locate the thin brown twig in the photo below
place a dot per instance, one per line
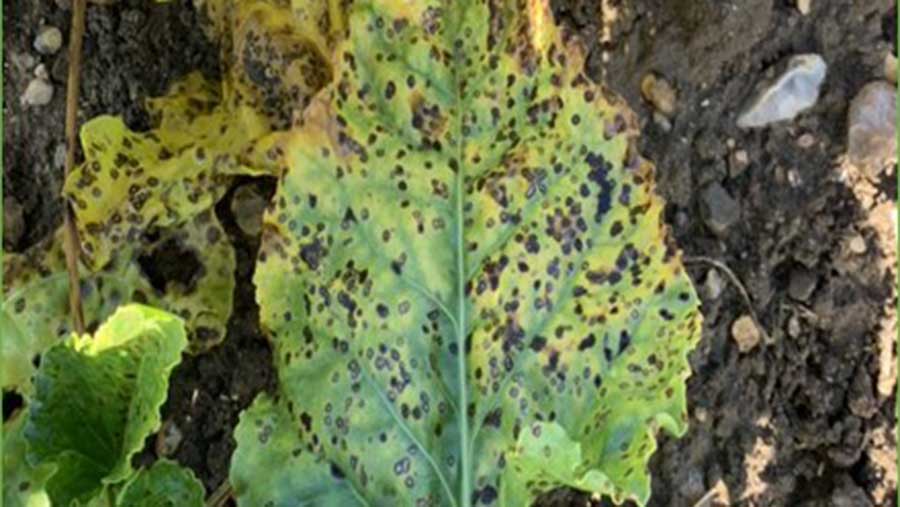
(721, 266)
(72, 245)
(221, 495)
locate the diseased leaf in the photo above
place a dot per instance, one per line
(23, 485)
(131, 182)
(165, 484)
(466, 248)
(35, 311)
(275, 471)
(98, 398)
(204, 300)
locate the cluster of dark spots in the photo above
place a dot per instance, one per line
(587, 342)
(599, 174)
(312, 253)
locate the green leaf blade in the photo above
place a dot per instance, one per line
(165, 484)
(466, 245)
(121, 378)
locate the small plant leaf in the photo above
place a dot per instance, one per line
(98, 398)
(23, 485)
(165, 484)
(466, 248)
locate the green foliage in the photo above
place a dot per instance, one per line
(165, 484)
(98, 398)
(468, 285)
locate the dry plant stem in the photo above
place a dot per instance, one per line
(220, 496)
(71, 244)
(721, 266)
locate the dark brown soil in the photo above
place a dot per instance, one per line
(798, 420)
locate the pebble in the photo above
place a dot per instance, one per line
(248, 206)
(13, 222)
(795, 91)
(168, 439)
(872, 131)
(714, 284)
(41, 72)
(802, 284)
(806, 141)
(48, 41)
(738, 163)
(660, 93)
(721, 211)
(39, 92)
(804, 6)
(794, 329)
(745, 333)
(857, 244)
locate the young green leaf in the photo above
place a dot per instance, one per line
(466, 277)
(98, 398)
(165, 484)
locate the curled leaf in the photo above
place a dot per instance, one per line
(98, 398)
(466, 248)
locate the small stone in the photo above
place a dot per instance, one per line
(39, 92)
(41, 72)
(658, 92)
(850, 496)
(795, 91)
(168, 439)
(794, 329)
(48, 41)
(248, 206)
(890, 67)
(872, 131)
(661, 120)
(59, 156)
(857, 244)
(804, 6)
(714, 284)
(802, 285)
(738, 162)
(721, 211)
(13, 222)
(745, 333)
(806, 141)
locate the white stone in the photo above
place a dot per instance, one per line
(795, 91)
(38, 93)
(48, 41)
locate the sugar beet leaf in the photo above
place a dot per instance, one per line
(471, 293)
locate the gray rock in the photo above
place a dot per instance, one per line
(850, 496)
(248, 206)
(13, 222)
(720, 210)
(48, 41)
(871, 128)
(796, 90)
(39, 92)
(802, 285)
(714, 284)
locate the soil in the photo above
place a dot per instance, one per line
(805, 418)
